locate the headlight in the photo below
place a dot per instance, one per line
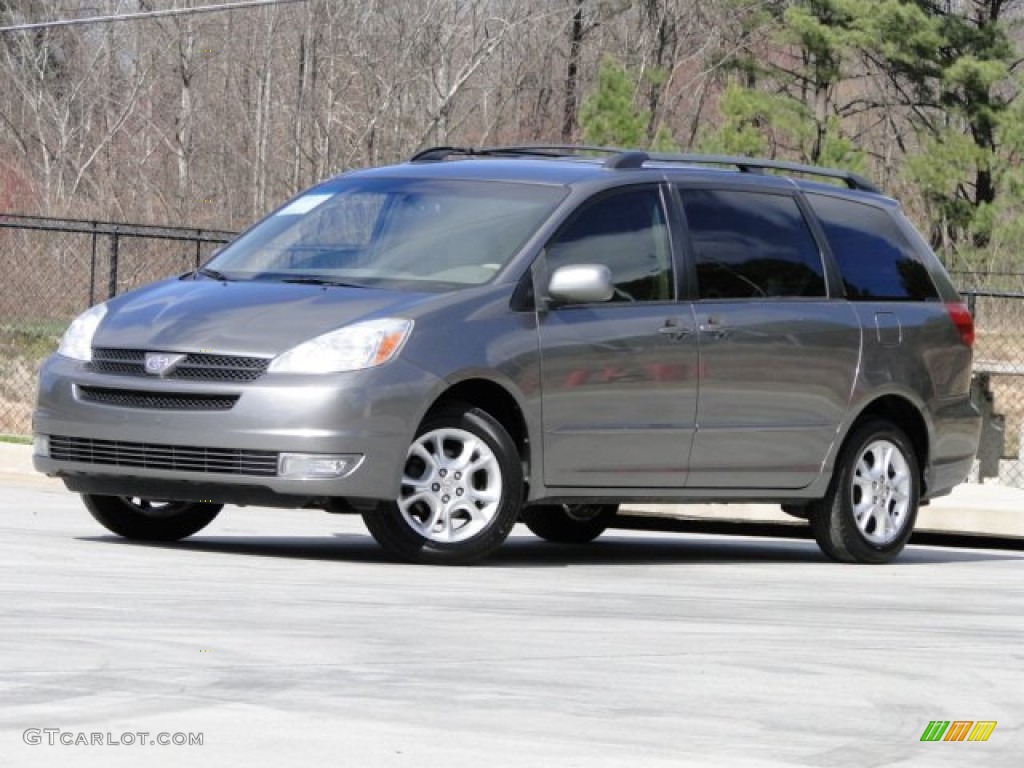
(362, 345)
(76, 342)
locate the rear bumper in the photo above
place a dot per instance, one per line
(370, 414)
(944, 477)
(957, 431)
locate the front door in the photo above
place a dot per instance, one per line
(619, 378)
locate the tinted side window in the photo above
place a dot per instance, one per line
(750, 244)
(875, 259)
(626, 232)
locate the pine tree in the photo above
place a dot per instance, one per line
(953, 70)
(787, 101)
(609, 116)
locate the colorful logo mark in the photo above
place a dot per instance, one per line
(958, 730)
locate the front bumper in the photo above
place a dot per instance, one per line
(371, 414)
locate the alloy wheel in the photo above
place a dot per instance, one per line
(451, 486)
(881, 489)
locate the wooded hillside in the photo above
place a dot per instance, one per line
(211, 119)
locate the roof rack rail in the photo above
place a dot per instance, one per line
(552, 150)
(434, 154)
(633, 159)
(624, 159)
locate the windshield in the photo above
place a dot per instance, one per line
(424, 234)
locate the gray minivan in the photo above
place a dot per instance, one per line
(478, 337)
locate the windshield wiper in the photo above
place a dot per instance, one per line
(207, 272)
(310, 280)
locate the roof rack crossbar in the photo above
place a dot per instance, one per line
(627, 159)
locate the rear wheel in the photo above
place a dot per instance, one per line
(869, 512)
(146, 520)
(569, 523)
(462, 488)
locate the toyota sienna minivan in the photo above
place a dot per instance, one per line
(539, 334)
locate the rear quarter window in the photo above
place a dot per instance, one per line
(875, 260)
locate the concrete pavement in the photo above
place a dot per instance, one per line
(283, 637)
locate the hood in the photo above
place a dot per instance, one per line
(251, 318)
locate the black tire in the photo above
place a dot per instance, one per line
(146, 520)
(569, 523)
(885, 524)
(477, 509)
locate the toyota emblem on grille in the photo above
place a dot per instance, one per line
(161, 363)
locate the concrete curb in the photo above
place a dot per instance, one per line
(972, 509)
(15, 458)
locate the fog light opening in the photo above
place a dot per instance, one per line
(318, 466)
(41, 446)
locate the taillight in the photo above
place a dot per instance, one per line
(963, 321)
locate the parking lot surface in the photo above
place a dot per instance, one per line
(285, 638)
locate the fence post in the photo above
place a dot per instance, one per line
(972, 300)
(112, 287)
(199, 255)
(92, 267)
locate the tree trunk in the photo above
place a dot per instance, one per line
(572, 75)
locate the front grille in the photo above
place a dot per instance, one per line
(174, 401)
(132, 362)
(185, 458)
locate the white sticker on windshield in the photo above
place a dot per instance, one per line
(304, 204)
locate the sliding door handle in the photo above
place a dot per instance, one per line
(674, 330)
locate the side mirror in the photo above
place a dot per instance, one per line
(581, 284)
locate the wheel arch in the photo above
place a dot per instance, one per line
(496, 399)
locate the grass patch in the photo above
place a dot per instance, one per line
(17, 439)
(30, 339)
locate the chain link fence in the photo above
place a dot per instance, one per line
(998, 383)
(52, 269)
(996, 301)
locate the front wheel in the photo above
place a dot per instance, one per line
(462, 487)
(146, 520)
(868, 514)
(569, 523)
